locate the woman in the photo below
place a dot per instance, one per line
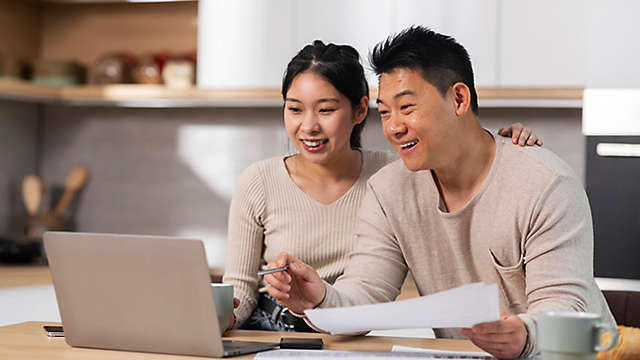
(307, 203)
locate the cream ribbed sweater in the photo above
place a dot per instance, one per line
(270, 214)
(528, 229)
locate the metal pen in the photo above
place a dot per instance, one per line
(274, 270)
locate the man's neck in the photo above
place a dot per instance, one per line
(459, 179)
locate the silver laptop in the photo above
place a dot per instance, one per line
(137, 293)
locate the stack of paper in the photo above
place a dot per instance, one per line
(463, 306)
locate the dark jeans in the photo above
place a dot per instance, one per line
(260, 320)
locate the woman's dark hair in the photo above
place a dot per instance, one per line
(441, 60)
(340, 65)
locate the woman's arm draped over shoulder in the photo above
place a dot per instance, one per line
(245, 240)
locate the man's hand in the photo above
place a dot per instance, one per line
(298, 288)
(504, 339)
(520, 135)
(236, 303)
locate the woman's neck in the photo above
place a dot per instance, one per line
(346, 165)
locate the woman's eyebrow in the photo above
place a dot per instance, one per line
(328, 100)
(292, 100)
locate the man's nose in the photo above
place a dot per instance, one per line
(396, 127)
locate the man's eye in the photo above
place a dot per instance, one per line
(405, 106)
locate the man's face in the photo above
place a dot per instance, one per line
(416, 119)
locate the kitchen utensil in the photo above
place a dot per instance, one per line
(76, 178)
(32, 193)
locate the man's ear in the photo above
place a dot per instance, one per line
(360, 112)
(461, 97)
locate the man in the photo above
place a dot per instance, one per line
(462, 208)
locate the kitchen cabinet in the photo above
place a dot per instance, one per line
(543, 43)
(473, 23)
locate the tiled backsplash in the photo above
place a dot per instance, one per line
(172, 171)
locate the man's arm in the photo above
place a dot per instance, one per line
(375, 271)
(558, 253)
(376, 268)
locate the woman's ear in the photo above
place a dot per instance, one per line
(461, 97)
(361, 110)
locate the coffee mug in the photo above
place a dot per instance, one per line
(223, 297)
(566, 335)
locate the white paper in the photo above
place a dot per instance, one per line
(444, 353)
(358, 355)
(463, 306)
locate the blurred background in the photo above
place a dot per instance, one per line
(138, 116)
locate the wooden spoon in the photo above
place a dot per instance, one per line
(32, 193)
(76, 178)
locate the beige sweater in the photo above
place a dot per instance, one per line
(528, 229)
(270, 214)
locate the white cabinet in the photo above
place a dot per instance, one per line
(543, 43)
(244, 43)
(473, 23)
(613, 47)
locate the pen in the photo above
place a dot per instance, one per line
(274, 270)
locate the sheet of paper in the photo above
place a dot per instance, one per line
(359, 355)
(463, 306)
(443, 353)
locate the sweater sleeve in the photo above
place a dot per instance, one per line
(376, 268)
(245, 241)
(558, 254)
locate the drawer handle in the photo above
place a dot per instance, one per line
(613, 149)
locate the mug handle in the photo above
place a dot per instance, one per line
(604, 328)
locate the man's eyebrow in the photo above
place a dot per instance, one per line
(400, 94)
(403, 93)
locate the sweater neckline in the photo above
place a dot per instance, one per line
(285, 172)
(478, 195)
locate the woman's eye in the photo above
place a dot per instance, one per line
(294, 109)
(327, 110)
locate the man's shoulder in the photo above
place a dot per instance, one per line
(533, 162)
(393, 176)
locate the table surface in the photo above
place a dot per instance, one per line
(28, 341)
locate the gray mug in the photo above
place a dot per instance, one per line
(223, 298)
(569, 335)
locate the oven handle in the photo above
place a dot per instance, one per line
(617, 149)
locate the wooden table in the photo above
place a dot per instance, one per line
(28, 341)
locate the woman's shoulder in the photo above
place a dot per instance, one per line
(257, 172)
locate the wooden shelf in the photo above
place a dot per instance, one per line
(131, 95)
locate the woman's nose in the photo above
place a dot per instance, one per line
(310, 125)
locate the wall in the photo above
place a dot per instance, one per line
(84, 32)
(19, 28)
(18, 157)
(172, 171)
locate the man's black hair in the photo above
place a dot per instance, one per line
(439, 58)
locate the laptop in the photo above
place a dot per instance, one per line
(137, 293)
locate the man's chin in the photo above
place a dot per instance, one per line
(413, 165)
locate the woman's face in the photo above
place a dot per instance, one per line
(318, 118)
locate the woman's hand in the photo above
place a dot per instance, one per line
(520, 135)
(232, 322)
(299, 288)
(504, 339)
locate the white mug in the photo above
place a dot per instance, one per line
(569, 335)
(223, 298)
